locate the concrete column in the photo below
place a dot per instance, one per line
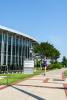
(24, 49)
(21, 51)
(7, 51)
(18, 51)
(2, 50)
(11, 49)
(27, 49)
(15, 49)
(30, 52)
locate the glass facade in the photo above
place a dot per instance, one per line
(14, 49)
(0, 46)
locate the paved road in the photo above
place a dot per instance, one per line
(40, 87)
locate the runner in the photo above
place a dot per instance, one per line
(45, 65)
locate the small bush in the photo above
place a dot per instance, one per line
(65, 73)
(37, 64)
(55, 65)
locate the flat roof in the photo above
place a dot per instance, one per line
(17, 32)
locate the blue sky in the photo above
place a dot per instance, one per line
(46, 20)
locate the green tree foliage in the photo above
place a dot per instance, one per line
(64, 61)
(48, 50)
(36, 48)
(55, 54)
(37, 64)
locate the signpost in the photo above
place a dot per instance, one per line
(28, 66)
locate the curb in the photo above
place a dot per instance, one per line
(3, 87)
(65, 85)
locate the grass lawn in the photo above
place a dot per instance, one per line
(65, 73)
(12, 78)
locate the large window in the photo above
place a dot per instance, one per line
(17, 50)
(0, 37)
(14, 51)
(28, 49)
(9, 45)
(0, 42)
(14, 46)
(23, 48)
(20, 47)
(4, 48)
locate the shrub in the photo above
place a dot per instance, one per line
(37, 64)
(55, 65)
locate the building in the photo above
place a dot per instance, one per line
(14, 47)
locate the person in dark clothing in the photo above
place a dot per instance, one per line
(45, 65)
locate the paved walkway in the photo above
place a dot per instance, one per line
(40, 87)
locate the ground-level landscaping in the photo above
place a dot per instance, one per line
(65, 73)
(8, 79)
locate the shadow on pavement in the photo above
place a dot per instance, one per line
(30, 94)
(43, 86)
(53, 82)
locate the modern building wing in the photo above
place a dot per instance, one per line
(14, 47)
(17, 32)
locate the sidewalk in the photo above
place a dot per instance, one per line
(40, 87)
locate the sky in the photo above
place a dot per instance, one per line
(46, 20)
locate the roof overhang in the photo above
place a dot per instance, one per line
(17, 32)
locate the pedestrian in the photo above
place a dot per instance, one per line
(45, 65)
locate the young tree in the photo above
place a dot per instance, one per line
(64, 61)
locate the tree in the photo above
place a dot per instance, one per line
(64, 61)
(55, 54)
(48, 50)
